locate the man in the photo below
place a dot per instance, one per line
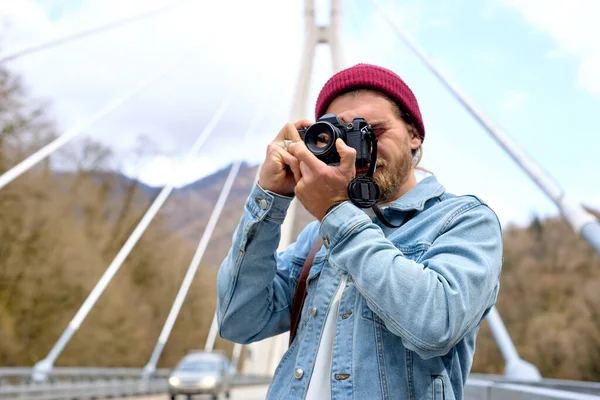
(390, 313)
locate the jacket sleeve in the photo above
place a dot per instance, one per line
(253, 283)
(432, 304)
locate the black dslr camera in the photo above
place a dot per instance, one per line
(321, 136)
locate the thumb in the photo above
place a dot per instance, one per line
(347, 156)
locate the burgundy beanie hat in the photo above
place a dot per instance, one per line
(367, 76)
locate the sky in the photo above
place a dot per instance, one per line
(530, 65)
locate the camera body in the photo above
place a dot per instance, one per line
(321, 136)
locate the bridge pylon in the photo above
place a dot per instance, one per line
(264, 356)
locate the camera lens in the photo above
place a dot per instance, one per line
(322, 140)
(320, 137)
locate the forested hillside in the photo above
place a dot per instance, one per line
(550, 302)
(60, 231)
(58, 234)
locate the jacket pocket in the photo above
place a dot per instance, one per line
(438, 390)
(413, 253)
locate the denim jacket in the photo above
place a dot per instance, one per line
(411, 308)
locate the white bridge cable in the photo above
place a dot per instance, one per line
(516, 367)
(195, 263)
(235, 355)
(572, 211)
(42, 368)
(65, 138)
(12, 55)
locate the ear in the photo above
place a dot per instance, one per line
(415, 138)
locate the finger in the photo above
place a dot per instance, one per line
(301, 152)
(273, 150)
(284, 144)
(286, 133)
(299, 190)
(305, 170)
(347, 156)
(293, 163)
(303, 123)
(290, 131)
(276, 153)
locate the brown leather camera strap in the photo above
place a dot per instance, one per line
(300, 293)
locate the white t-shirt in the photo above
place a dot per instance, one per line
(319, 387)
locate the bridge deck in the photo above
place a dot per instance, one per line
(245, 393)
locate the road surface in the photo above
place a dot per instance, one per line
(247, 393)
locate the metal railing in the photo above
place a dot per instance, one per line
(98, 383)
(80, 383)
(87, 390)
(493, 387)
(585, 387)
(94, 383)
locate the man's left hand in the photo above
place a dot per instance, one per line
(321, 186)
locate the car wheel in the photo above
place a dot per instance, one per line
(173, 396)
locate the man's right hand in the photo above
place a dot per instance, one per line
(280, 170)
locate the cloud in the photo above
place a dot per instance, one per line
(22, 21)
(246, 53)
(574, 26)
(488, 58)
(229, 46)
(161, 169)
(514, 100)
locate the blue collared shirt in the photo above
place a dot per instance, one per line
(411, 308)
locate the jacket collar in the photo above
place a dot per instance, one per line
(415, 198)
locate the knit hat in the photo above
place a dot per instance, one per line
(366, 76)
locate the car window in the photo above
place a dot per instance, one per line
(197, 366)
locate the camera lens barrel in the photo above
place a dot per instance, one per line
(321, 136)
(320, 139)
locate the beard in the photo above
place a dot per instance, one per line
(393, 174)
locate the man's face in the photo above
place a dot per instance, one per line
(395, 143)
